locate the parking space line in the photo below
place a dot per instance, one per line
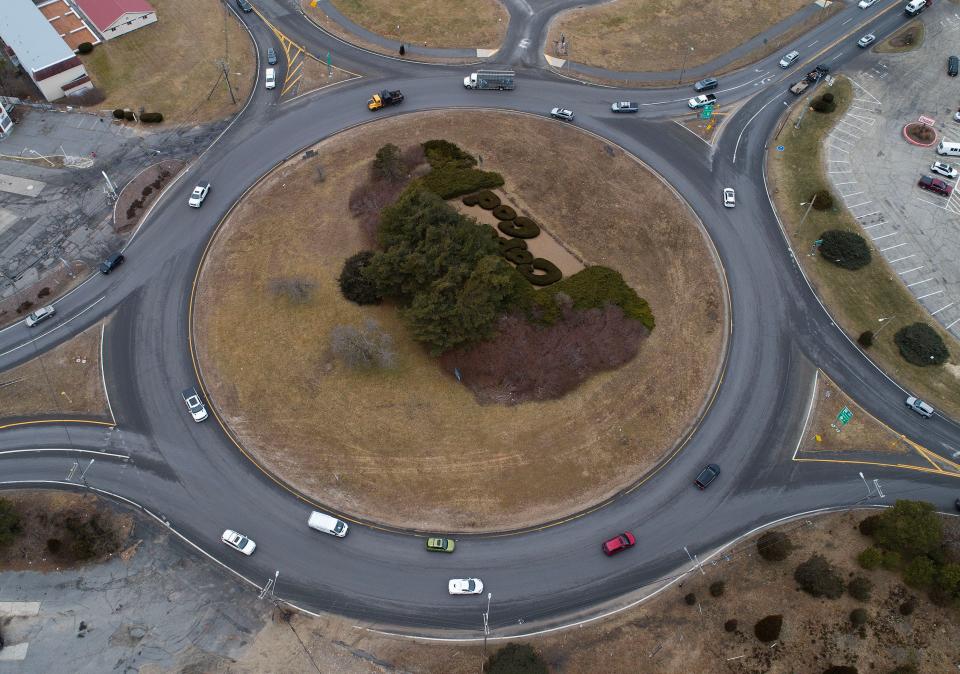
(932, 203)
(838, 149)
(884, 250)
(847, 196)
(901, 273)
(905, 257)
(953, 324)
(849, 182)
(867, 215)
(839, 171)
(862, 203)
(852, 135)
(879, 224)
(930, 294)
(884, 236)
(838, 161)
(934, 313)
(916, 283)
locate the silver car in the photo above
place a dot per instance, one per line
(562, 113)
(39, 315)
(788, 59)
(920, 407)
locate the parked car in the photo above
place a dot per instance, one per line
(707, 475)
(562, 113)
(956, 504)
(270, 78)
(943, 169)
(194, 405)
(465, 586)
(935, 185)
(244, 5)
(238, 542)
(111, 263)
(199, 194)
(625, 106)
(920, 407)
(441, 544)
(618, 543)
(956, 116)
(271, 56)
(789, 58)
(953, 66)
(729, 197)
(39, 316)
(866, 40)
(865, 3)
(706, 84)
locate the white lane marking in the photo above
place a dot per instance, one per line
(916, 283)
(884, 236)
(942, 308)
(910, 271)
(812, 43)
(806, 419)
(693, 132)
(740, 137)
(867, 215)
(103, 377)
(847, 21)
(953, 324)
(63, 449)
(840, 161)
(849, 182)
(838, 149)
(930, 294)
(862, 203)
(879, 224)
(882, 250)
(905, 257)
(65, 323)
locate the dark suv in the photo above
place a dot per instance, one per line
(111, 263)
(953, 66)
(707, 475)
(706, 84)
(934, 185)
(244, 5)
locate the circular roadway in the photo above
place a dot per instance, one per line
(192, 476)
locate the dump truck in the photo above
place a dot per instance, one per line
(799, 87)
(385, 98)
(498, 80)
(702, 100)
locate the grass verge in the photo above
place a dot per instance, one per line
(856, 299)
(906, 39)
(173, 66)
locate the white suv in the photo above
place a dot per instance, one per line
(920, 407)
(39, 315)
(788, 60)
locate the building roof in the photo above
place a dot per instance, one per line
(28, 33)
(104, 12)
(67, 23)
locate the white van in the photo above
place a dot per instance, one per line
(914, 7)
(327, 524)
(271, 79)
(950, 149)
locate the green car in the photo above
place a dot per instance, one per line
(440, 545)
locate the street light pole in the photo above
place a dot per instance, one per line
(869, 491)
(683, 65)
(486, 632)
(881, 320)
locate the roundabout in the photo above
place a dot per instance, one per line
(193, 479)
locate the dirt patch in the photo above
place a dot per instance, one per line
(64, 381)
(47, 516)
(906, 39)
(313, 75)
(856, 299)
(643, 35)
(138, 194)
(59, 282)
(364, 442)
(174, 65)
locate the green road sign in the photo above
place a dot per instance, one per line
(845, 416)
(706, 112)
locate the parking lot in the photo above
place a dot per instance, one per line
(875, 170)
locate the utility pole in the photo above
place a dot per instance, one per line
(802, 113)
(226, 76)
(865, 484)
(812, 201)
(683, 65)
(486, 632)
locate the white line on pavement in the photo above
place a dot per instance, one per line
(930, 294)
(905, 257)
(862, 203)
(916, 283)
(884, 236)
(883, 250)
(739, 137)
(66, 322)
(953, 324)
(942, 308)
(901, 273)
(842, 172)
(839, 161)
(876, 225)
(838, 149)
(845, 196)
(849, 182)
(867, 215)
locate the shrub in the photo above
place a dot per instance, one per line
(594, 288)
(891, 560)
(24, 306)
(919, 572)
(858, 617)
(44, 291)
(905, 669)
(516, 659)
(730, 625)
(387, 165)
(921, 345)
(118, 113)
(449, 181)
(774, 546)
(441, 152)
(768, 629)
(860, 588)
(845, 249)
(948, 581)
(504, 212)
(128, 115)
(148, 190)
(910, 528)
(717, 588)
(90, 538)
(824, 106)
(487, 200)
(828, 97)
(818, 578)
(403, 50)
(294, 289)
(84, 48)
(9, 522)
(131, 213)
(908, 607)
(870, 558)
(868, 525)
(363, 349)
(151, 118)
(865, 339)
(353, 284)
(821, 200)
(54, 546)
(520, 228)
(690, 599)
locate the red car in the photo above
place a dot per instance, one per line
(935, 185)
(618, 543)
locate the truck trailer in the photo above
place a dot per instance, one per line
(498, 80)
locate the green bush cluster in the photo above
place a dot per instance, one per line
(818, 578)
(774, 546)
(921, 345)
(845, 249)
(594, 288)
(84, 48)
(151, 118)
(354, 285)
(90, 538)
(388, 163)
(9, 522)
(870, 558)
(768, 629)
(441, 152)
(860, 588)
(821, 200)
(452, 171)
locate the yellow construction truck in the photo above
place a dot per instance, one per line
(384, 98)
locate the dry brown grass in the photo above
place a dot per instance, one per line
(172, 66)
(436, 23)
(311, 76)
(365, 442)
(650, 36)
(64, 381)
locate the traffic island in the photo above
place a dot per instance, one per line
(410, 445)
(920, 134)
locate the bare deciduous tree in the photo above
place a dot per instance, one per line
(294, 289)
(363, 348)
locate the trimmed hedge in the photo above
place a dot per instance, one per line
(449, 181)
(151, 118)
(118, 113)
(768, 629)
(818, 578)
(521, 227)
(920, 345)
(504, 212)
(440, 152)
(845, 249)
(84, 48)
(487, 200)
(594, 288)
(353, 284)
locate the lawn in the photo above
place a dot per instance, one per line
(653, 35)
(365, 443)
(173, 66)
(856, 299)
(436, 23)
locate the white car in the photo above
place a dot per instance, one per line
(625, 106)
(866, 40)
(562, 113)
(199, 194)
(270, 80)
(865, 3)
(194, 405)
(238, 542)
(729, 197)
(465, 586)
(917, 405)
(945, 170)
(39, 315)
(956, 116)
(788, 59)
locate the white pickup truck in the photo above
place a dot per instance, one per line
(702, 100)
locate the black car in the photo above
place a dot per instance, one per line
(244, 5)
(706, 84)
(111, 263)
(953, 66)
(271, 56)
(707, 475)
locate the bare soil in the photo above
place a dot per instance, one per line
(62, 382)
(42, 515)
(667, 636)
(906, 39)
(133, 191)
(364, 442)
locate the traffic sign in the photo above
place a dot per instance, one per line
(780, 148)
(845, 416)
(707, 112)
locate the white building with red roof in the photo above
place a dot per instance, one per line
(112, 18)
